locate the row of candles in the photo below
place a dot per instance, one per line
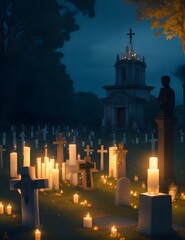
(47, 169)
(8, 209)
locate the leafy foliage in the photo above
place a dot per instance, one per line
(34, 83)
(89, 109)
(166, 16)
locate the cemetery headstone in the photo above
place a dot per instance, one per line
(122, 192)
(86, 169)
(29, 185)
(102, 151)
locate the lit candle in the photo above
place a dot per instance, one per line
(9, 209)
(72, 154)
(87, 221)
(37, 234)
(75, 198)
(153, 162)
(52, 162)
(112, 162)
(63, 171)
(153, 176)
(13, 165)
(78, 156)
(55, 178)
(38, 164)
(43, 170)
(50, 182)
(1, 208)
(26, 162)
(113, 231)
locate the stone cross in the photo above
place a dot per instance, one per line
(130, 34)
(121, 156)
(29, 185)
(60, 150)
(1, 155)
(102, 151)
(88, 150)
(153, 140)
(86, 169)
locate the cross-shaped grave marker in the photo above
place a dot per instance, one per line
(121, 163)
(153, 140)
(29, 185)
(60, 150)
(88, 150)
(102, 151)
(1, 155)
(86, 169)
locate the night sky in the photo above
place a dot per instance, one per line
(91, 52)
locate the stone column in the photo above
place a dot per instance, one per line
(165, 150)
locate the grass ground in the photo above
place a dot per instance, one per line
(61, 219)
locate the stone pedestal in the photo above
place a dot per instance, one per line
(165, 151)
(155, 214)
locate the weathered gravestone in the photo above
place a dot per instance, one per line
(86, 169)
(122, 193)
(29, 186)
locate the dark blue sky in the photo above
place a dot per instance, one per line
(90, 54)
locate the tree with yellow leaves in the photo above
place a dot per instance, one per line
(167, 16)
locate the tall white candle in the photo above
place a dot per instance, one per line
(43, 170)
(9, 209)
(72, 154)
(74, 179)
(113, 231)
(52, 161)
(153, 162)
(50, 182)
(55, 178)
(26, 161)
(75, 198)
(112, 162)
(38, 164)
(153, 176)
(63, 171)
(37, 234)
(87, 221)
(1, 208)
(13, 165)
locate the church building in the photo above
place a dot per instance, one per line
(125, 100)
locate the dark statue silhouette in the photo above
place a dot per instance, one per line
(166, 98)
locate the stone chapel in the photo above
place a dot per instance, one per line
(125, 100)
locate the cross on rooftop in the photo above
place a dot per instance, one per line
(130, 34)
